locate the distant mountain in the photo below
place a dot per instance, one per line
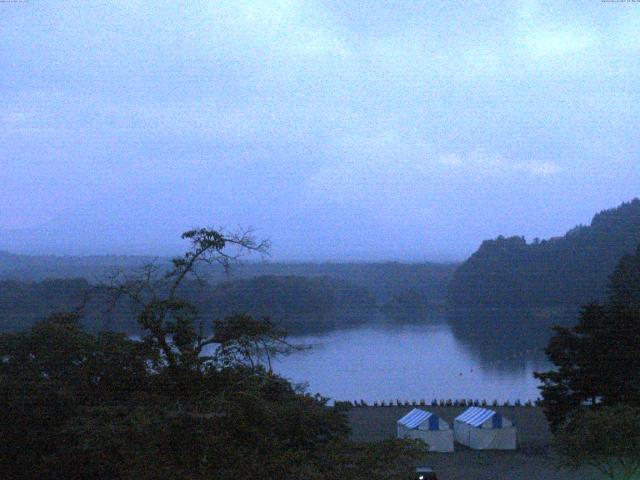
(39, 267)
(573, 269)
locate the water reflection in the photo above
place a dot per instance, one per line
(471, 357)
(506, 338)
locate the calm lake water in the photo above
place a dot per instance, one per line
(410, 362)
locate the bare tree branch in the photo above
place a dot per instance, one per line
(154, 298)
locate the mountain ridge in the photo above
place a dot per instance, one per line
(572, 269)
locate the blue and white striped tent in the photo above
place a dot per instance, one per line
(417, 418)
(484, 429)
(476, 417)
(428, 427)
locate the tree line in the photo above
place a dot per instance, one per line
(82, 405)
(383, 280)
(297, 303)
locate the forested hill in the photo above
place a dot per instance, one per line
(299, 304)
(384, 280)
(294, 303)
(573, 269)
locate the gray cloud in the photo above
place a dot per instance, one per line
(404, 131)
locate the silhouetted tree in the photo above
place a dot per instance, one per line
(242, 340)
(607, 439)
(171, 324)
(597, 361)
(78, 405)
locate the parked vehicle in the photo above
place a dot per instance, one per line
(425, 473)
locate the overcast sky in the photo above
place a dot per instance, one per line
(340, 130)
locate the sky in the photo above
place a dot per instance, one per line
(340, 130)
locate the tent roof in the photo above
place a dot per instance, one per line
(475, 416)
(415, 418)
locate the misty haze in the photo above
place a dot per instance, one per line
(315, 239)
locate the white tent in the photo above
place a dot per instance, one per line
(429, 428)
(484, 429)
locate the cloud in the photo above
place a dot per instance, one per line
(251, 107)
(553, 43)
(495, 165)
(539, 168)
(548, 33)
(369, 166)
(289, 28)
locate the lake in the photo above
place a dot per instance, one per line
(384, 361)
